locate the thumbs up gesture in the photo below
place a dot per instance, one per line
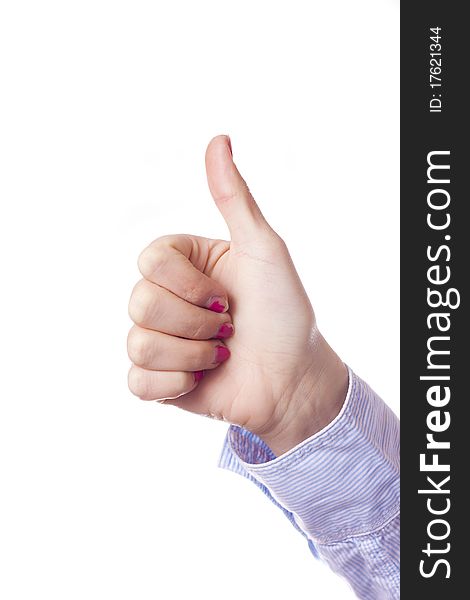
(225, 328)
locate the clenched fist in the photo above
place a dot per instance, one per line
(225, 328)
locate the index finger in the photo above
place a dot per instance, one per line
(177, 262)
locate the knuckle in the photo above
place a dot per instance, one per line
(228, 197)
(198, 330)
(193, 294)
(154, 258)
(184, 382)
(140, 304)
(197, 355)
(280, 240)
(277, 239)
(138, 384)
(137, 347)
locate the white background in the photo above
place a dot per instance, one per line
(106, 109)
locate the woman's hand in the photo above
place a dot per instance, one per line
(226, 329)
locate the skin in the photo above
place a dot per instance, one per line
(226, 329)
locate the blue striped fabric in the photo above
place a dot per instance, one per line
(340, 488)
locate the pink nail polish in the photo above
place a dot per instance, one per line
(221, 353)
(198, 375)
(225, 331)
(217, 304)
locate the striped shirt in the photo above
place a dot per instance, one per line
(339, 488)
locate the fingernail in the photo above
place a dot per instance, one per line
(218, 304)
(198, 375)
(229, 142)
(225, 331)
(221, 353)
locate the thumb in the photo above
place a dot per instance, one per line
(230, 192)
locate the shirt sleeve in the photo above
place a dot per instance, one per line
(340, 488)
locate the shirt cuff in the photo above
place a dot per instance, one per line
(339, 483)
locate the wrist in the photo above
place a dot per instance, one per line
(312, 401)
